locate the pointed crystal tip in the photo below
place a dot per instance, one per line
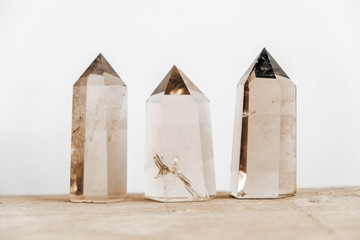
(266, 66)
(99, 73)
(99, 66)
(176, 83)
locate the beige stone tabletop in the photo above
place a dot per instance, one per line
(332, 213)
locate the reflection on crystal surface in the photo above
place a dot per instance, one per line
(179, 154)
(99, 135)
(264, 146)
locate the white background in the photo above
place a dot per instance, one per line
(46, 45)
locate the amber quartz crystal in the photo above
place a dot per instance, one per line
(264, 144)
(179, 162)
(99, 135)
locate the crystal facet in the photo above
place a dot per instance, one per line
(179, 154)
(264, 145)
(99, 135)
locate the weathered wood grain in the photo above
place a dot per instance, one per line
(332, 213)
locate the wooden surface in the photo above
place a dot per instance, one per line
(332, 213)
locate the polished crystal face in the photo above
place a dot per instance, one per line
(264, 145)
(99, 135)
(179, 154)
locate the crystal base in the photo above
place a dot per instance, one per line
(242, 196)
(97, 199)
(179, 199)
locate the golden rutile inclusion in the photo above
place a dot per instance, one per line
(179, 155)
(264, 145)
(99, 135)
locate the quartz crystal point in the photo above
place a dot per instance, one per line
(179, 153)
(99, 135)
(264, 145)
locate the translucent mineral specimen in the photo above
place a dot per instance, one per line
(179, 154)
(99, 135)
(264, 146)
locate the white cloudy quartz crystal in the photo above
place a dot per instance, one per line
(179, 162)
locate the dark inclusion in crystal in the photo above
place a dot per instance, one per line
(266, 67)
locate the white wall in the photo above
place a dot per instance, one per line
(46, 45)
